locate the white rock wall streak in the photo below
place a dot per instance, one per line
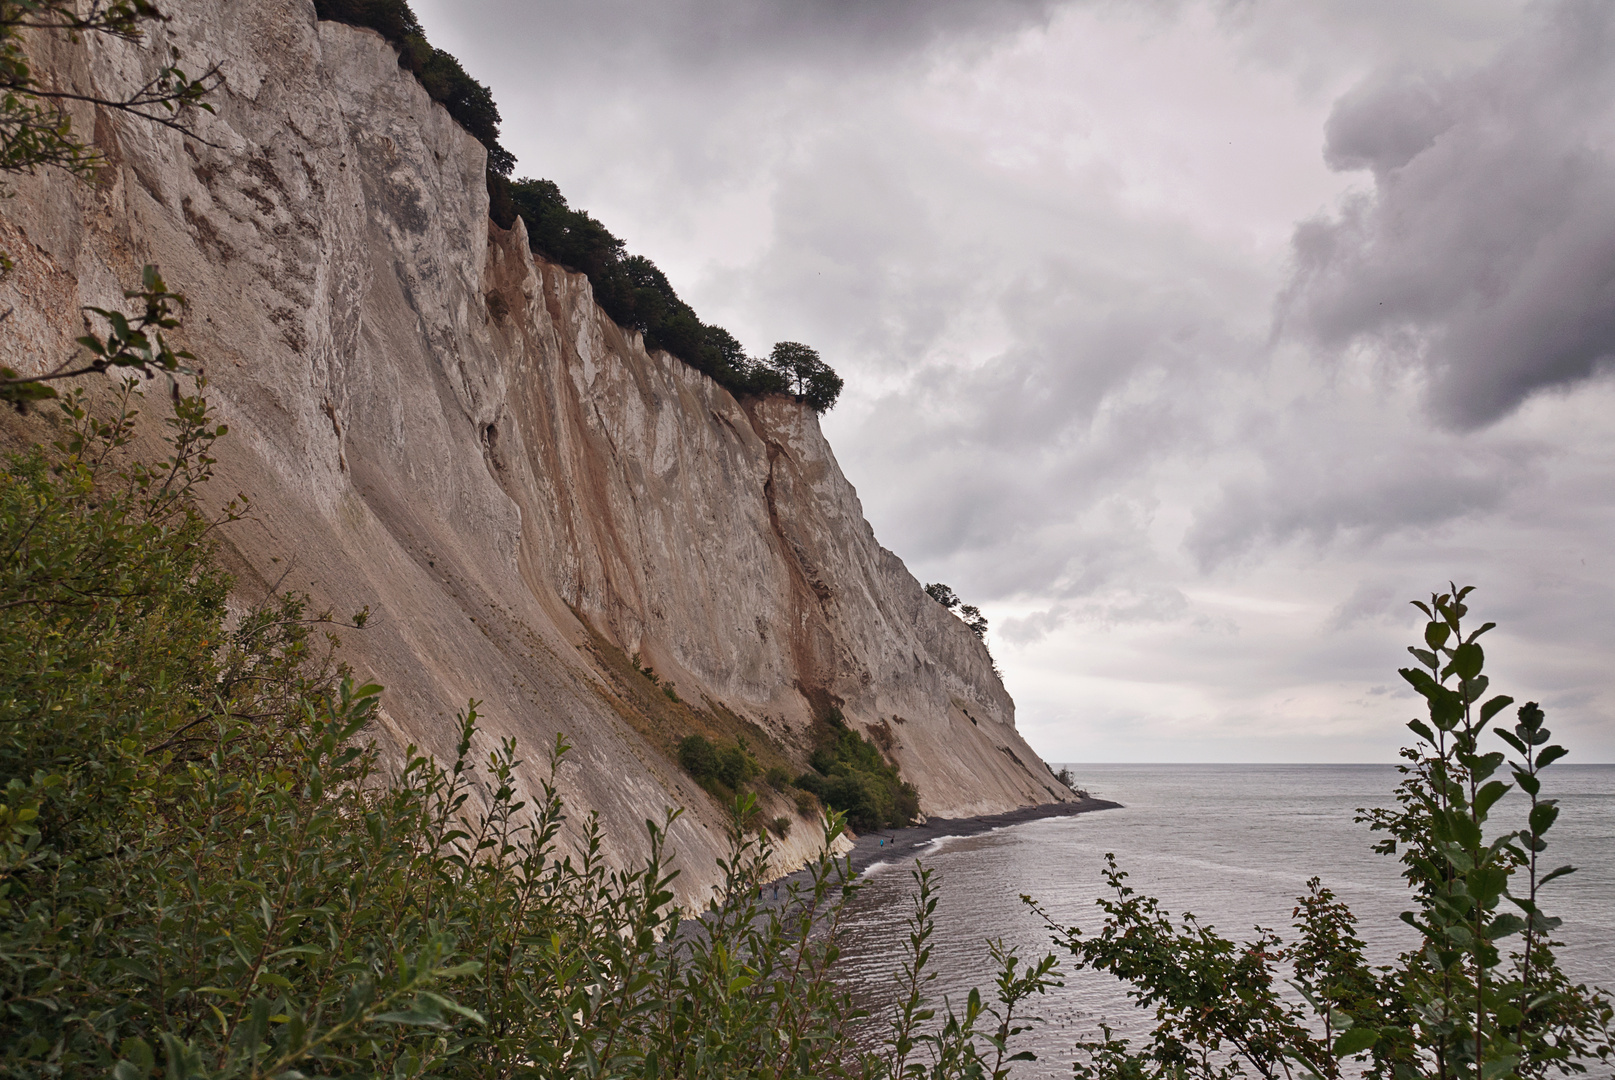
(431, 422)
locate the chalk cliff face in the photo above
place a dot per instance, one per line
(432, 423)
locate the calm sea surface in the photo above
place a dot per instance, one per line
(1235, 844)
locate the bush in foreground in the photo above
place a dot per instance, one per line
(1481, 997)
(202, 874)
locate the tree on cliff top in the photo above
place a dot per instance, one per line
(629, 288)
(807, 376)
(969, 614)
(638, 296)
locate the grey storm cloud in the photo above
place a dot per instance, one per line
(1485, 254)
(687, 33)
(1325, 498)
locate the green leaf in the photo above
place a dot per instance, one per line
(450, 1005)
(1509, 737)
(138, 1052)
(1467, 660)
(1560, 872)
(1419, 680)
(1465, 831)
(1487, 796)
(1549, 755)
(1423, 656)
(1495, 706)
(458, 971)
(1501, 1067)
(1446, 708)
(1355, 1041)
(415, 1016)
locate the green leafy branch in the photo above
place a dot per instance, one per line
(134, 343)
(1459, 1006)
(35, 129)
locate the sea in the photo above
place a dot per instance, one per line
(1234, 844)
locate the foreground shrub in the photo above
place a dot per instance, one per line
(203, 874)
(1481, 997)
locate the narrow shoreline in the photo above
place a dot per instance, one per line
(901, 845)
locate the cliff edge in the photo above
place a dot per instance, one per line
(431, 422)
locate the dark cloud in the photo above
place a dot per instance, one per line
(1373, 602)
(687, 33)
(1485, 255)
(1326, 490)
(1387, 121)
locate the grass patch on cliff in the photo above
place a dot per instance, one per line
(737, 752)
(850, 774)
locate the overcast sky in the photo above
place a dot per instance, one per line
(1190, 340)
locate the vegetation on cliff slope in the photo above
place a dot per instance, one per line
(629, 288)
(732, 766)
(203, 874)
(851, 775)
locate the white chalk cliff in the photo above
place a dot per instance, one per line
(433, 423)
